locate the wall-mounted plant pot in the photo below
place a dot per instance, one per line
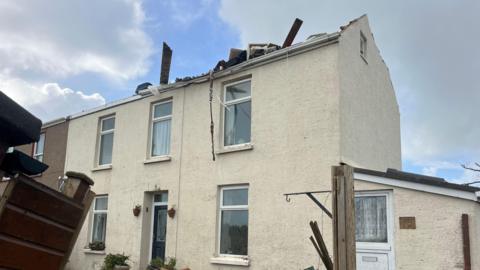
(171, 212)
(137, 210)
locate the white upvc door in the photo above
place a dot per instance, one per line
(374, 230)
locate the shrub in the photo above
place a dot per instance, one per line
(156, 263)
(170, 264)
(114, 259)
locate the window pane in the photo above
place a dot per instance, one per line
(371, 219)
(161, 197)
(108, 124)
(99, 227)
(101, 203)
(40, 144)
(106, 146)
(235, 196)
(161, 138)
(237, 123)
(237, 91)
(234, 232)
(163, 109)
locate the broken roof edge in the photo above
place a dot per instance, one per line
(251, 63)
(417, 179)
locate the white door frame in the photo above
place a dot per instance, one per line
(382, 248)
(152, 217)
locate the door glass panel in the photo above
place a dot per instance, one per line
(161, 225)
(161, 197)
(371, 219)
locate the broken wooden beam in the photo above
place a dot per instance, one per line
(166, 61)
(467, 264)
(343, 205)
(320, 247)
(293, 33)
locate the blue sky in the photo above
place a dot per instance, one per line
(67, 56)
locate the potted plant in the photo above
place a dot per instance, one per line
(137, 209)
(159, 264)
(96, 245)
(115, 262)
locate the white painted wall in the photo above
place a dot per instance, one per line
(296, 136)
(369, 114)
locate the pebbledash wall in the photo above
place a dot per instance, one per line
(299, 128)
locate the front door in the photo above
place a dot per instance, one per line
(373, 230)
(159, 231)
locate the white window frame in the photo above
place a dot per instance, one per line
(35, 148)
(100, 133)
(363, 45)
(221, 208)
(233, 102)
(156, 120)
(93, 218)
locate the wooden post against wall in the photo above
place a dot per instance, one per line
(343, 200)
(466, 243)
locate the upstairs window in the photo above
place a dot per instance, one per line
(233, 221)
(237, 114)
(363, 45)
(38, 148)
(107, 128)
(99, 225)
(161, 128)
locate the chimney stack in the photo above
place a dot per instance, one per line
(166, 61)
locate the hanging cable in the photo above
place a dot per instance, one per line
(210, 77)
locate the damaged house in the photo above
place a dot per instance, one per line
(282, 116)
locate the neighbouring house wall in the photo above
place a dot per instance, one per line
(53, 153)
(369, 114)
(436, 243)
(295, 133)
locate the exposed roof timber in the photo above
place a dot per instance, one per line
(293, 33)
(299, 48)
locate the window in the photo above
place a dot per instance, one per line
(38, 148)
(161, 128)
(371, 218)
(107, 127)
(99, 225)
(237, 114)
(363, 45)
(233, 219)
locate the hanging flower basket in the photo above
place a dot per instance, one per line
(171, 212)
(136, 210)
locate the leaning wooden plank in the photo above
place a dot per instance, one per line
(30, 227)
(46, 202)
(467, 264)
(323, 248)
(17, 254)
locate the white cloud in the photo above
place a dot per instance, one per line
(46, 42)
(431, 48)
(48, 101)
(60, 38)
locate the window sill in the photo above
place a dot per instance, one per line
(102, 168)
(157, 159)
(240, 261)
(235, 148)
(96, 252)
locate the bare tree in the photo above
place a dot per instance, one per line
(475, 168)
